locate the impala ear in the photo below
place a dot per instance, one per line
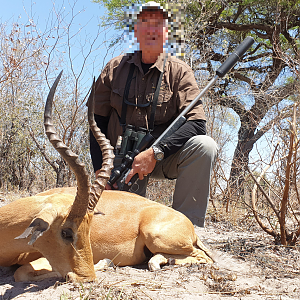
(40, 224)
(36, 229)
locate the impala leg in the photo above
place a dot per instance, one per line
(40, 269)
(198, 257)
(156, 261)
(103, 264)
(36, 270)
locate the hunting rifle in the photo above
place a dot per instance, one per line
(120, 173)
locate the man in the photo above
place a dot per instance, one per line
(188, 154)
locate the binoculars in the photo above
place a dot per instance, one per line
(131, 139)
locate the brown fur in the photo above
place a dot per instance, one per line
(128, 224)
(65, 257)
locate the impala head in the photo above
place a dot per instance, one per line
(61, 230)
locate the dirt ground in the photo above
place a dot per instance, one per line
(249, 266)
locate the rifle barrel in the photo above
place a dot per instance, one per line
(186, 109)
(225, 67)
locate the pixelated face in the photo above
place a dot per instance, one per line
(151, 31)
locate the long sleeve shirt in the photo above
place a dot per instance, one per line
(177, 90)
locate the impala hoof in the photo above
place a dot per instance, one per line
(103, 264)
(72, 277)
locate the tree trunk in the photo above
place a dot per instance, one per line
(235, 188)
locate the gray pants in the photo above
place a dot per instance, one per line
(191, 166)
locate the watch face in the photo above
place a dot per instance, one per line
(159, 155)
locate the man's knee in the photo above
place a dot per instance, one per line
(202, 145)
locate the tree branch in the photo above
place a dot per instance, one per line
(42, 150)
(258, 219)
(231, 102)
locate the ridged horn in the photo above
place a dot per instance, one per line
(107, 154)
(80, 205)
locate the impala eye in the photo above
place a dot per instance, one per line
(67, 234)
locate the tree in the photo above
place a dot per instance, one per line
(255, 88)
(21, 64)
(277, 212)
(71, 97)
(252, 89)
(30, 59)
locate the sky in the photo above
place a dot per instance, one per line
(84, 20)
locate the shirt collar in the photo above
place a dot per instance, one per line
(160, 61)
(137, 56)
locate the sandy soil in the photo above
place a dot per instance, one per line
(249, 266)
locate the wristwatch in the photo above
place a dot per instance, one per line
(158, 153)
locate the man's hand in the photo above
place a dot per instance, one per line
(143, 165)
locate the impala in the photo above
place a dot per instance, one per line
(67, 232)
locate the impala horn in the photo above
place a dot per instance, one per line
(107, 155)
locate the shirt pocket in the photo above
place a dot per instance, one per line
(166, 106)
(118, 93)
(116, 98)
